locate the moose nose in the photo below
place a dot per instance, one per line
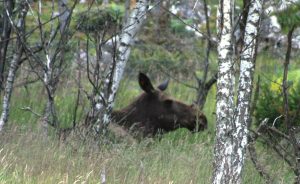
(200, 124)
(197, 127)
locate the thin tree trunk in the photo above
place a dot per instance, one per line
(225, 95)
(127, 11)
(287, 119)
(40, 7)
(48, 74)
(8, 6)
(204, 87)
(209, 44)
(9, 86)
(232, 129)
(53, 65)
(105, 87)
(129, 31)
(14, 65)
(242, 113)
(65, 13)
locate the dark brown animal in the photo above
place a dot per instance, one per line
(153, 111)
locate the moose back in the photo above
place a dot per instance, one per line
(154, 112)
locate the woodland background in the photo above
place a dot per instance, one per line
(176, 41)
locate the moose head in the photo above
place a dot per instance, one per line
(153, 111)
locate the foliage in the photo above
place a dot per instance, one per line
(178, 157)
(117, 9)
(289, 17)
(151, 57)
(270, 102)
(181, 57)
(98, 20)
(178, 27)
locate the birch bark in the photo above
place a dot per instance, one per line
(128, 33)
(8, 6)
(225, 95)
(130, 30)
(65, 13)
(232, 121)
(54, 64)
(242, 114)
(14, 64)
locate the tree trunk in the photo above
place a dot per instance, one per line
(204, 87)
(231, 135)
(9, 85)
(287, 119)
(54, 66)
(14, 65)
(8, 6)
(129, 31)
(247, 66)
(65, 13)
(127, 11)
(225, 95)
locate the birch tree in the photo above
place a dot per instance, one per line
(19, 28)
(54, 60)
(8, 7)
(204, 85)
(125, 41)
(232, 120)
(129, 31)
(225, 95)
(242, 116)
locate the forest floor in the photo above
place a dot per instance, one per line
(26, 156)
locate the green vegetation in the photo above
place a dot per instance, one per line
(94, 20)
(179, 157)
(289, 17)
(270, 102)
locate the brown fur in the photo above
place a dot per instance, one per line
(153, 111)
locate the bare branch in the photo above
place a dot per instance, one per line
(30, 110)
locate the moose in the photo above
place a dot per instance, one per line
(153, 112)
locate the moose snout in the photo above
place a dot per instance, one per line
(200, 124)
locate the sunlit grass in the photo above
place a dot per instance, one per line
(178, 157)
(26, 156)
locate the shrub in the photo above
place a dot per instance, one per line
(179, 27)
(99, 19)
(270, 102)
(289, 17)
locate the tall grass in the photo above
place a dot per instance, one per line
(177, 157)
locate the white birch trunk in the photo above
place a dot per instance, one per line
(129, 31)
(8, 6)
(242, 116)
(232, 122)
(225, 95)
(65, 13)
(14, 64)
(50, 75)
(9, 87)
(40, 7)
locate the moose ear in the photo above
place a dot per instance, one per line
(163, 86)
(145, 83)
